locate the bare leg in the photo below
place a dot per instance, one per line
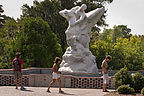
(16, 83)
(105, 82)
(53, 81)
(104, 87)
(21, 82)
(60, 91)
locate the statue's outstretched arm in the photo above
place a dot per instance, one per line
(95, 12)
(95, 15)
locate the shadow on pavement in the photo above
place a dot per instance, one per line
(66, 93)
(27, 90)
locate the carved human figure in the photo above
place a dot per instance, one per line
(79, 13)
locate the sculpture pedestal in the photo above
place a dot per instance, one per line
(78, 61)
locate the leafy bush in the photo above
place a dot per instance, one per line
(124, 89)
(137, 81)
(37, 43)
(122, 78)
(142, 91)
(143, 65)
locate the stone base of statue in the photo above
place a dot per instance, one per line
(77, 61)
(78, 58)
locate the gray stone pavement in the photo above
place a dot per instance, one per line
(41, 91)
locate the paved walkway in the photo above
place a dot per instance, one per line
(41, 91)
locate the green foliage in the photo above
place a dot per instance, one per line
(48, 10)
(121, 31)
(143, 65)
(124, 89)
(7, 36)
(138, 81)
(33, 38)
(37, 43)
(101, 48)
(116, 32)
(1, 16)
(126, 49)
(131, 52)
(142, 91)
(122, 78)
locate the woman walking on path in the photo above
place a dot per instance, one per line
(56, 75)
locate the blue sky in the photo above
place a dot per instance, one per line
(126, 12)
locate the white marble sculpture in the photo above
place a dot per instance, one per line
(78, 58)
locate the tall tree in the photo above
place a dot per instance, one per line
(49, 11)
(7, 31)
(1, 16)
(7, 36)
(117, 32)
(121, 31)
(36, 42)
(126, 49)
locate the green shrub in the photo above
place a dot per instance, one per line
(142, 91)
(143, 65)
(37, 43)
(125, 89)
(137, 81)
(122, 78)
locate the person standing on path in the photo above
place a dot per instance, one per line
(56, 75)
(17, 66)
(105, 72)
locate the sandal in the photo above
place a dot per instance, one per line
(61, 91)
(22, 88)
(106, 91)
(48, 91)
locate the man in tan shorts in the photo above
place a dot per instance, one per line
(105, 72)
(17, 67)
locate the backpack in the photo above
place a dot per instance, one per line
(16, 64)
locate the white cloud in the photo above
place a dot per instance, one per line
(127, 12)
